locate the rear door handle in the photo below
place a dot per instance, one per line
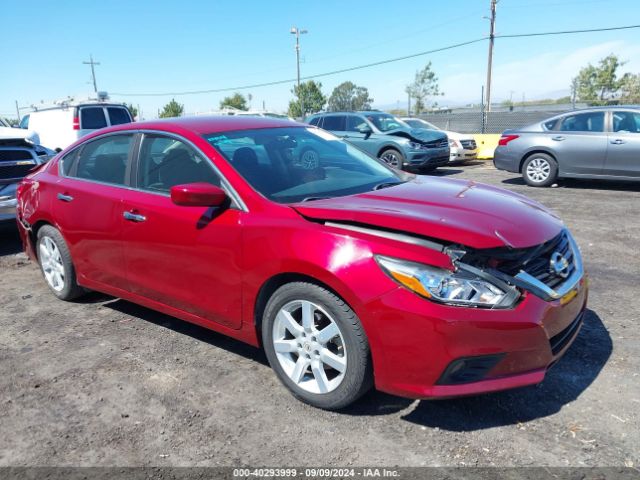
(134, 217)
(558, 138)
(64, 197)
(618, 141)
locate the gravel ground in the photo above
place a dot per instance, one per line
(105, 382)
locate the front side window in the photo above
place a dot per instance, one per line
(583, 122)
(626, 122)
(103, 160)
(92, 118)
(165, 162)
(334, 123)
(294, 164)
(355, 123)
(385, 122)
(118, 115)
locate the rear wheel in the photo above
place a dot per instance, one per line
(392, 157)
(56, 265)
(540, 170)
(316, 345)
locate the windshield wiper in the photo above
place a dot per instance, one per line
(310, 199)
(387, 184)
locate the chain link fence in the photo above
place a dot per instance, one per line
(496, 121)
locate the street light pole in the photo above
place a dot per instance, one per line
(297, 32)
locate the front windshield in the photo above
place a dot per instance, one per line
(385, 122)
(419, 123)
(294, 164)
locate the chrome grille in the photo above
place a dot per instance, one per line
(468, 144)
(437, 143)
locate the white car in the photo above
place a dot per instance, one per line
(62, 124)
(463, 146)
(7, 132)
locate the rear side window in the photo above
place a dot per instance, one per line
(104, 160)
(626, 122)
(67, 162)
(335, 122)
(92, 118)
(118, 115)
(583, 122)
(165, 162)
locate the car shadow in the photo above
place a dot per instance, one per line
(576, 183)
(179, 326)
(565, 382)
(10, 243)
(444, 172)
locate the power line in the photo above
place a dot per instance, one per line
(368, 65)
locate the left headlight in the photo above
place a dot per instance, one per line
(417, 146)
(460, 288)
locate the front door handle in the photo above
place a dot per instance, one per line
(64, 197)
(558, 138)
(134, 217)
(618, 141)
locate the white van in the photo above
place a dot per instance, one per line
(61, 125)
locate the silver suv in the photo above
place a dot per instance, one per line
(388, 138)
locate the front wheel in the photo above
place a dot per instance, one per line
(55, 263)
(392, 157)
(316, 345)
(540, 170)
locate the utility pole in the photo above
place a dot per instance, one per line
(93, 71)
(492, 28)
(297, 32)
(18, 111)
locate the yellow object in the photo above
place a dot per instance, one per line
(411, 283)
(487, 143)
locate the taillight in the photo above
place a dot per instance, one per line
(504, 139)
(76, 123)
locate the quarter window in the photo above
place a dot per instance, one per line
(315, 121)
(583, 122)
(165, 162)
(24, 123)
(92, 118)
(103, 160)
(626, 122)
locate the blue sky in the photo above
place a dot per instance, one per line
(163, 45)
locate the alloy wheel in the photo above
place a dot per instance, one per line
(391, 159)
(309, 346)
(538, 170)
(51, 262)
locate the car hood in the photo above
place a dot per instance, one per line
(456, 211)
(419, 134)
(9, 133)
(458, 136)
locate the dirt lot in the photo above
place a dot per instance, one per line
(105, 382)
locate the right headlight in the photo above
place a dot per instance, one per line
(460, 288)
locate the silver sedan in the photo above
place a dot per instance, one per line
(595, 143)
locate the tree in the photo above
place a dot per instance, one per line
(630, 89)
(425, 85)
(349, 96)
(309, 99)
(172, 109)
(600, 85)
(132, 109)
(235, 101)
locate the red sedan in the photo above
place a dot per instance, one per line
(346, 272)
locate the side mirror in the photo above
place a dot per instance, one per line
(366, 131)
(198, 195)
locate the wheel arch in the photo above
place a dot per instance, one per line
(533, 152)
(272, 284)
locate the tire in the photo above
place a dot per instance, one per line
(56, 265)
(327, 371)
(392, 157)
(540, 170)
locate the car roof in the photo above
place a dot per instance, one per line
(203, 125)
(605, 107)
